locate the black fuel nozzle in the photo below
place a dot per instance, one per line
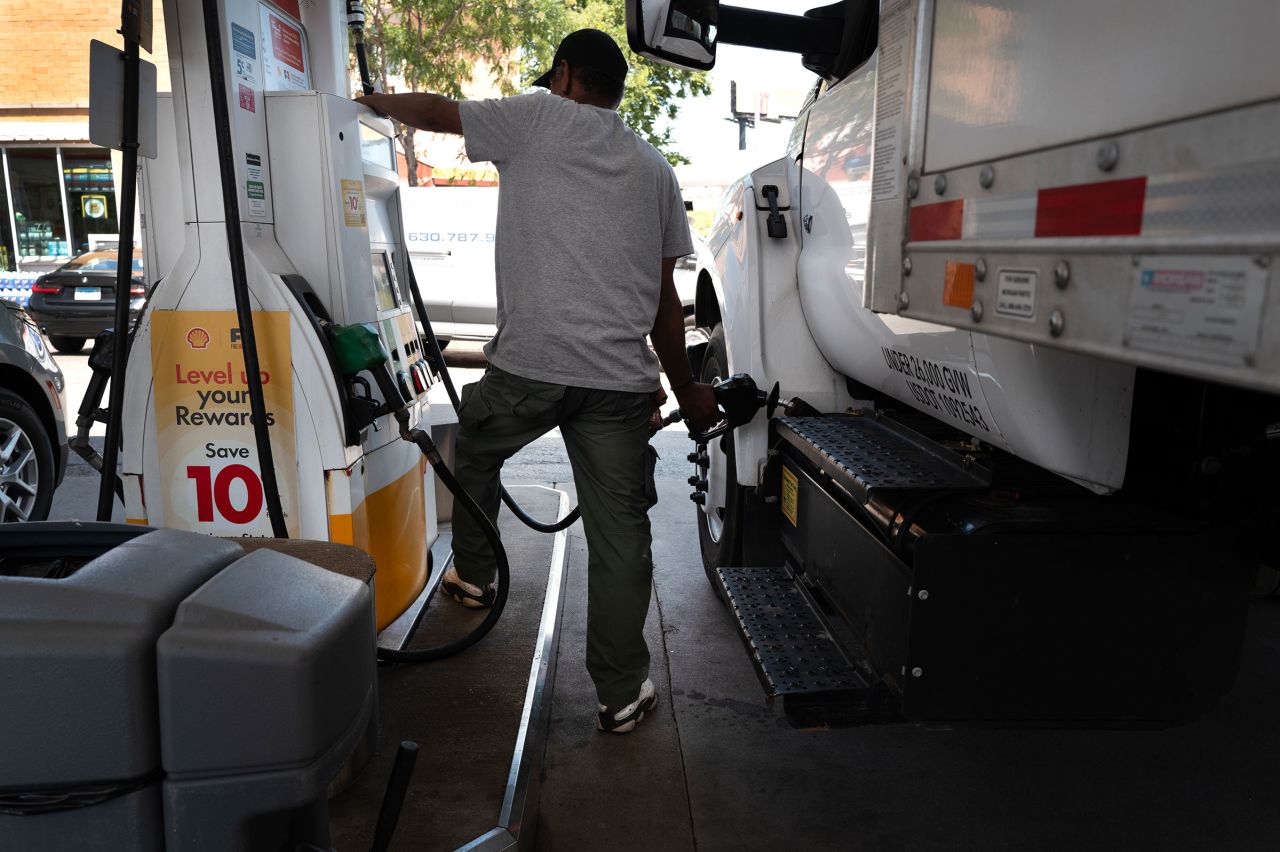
(739, 398)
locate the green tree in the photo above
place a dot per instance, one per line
(434, 46)
(654, 90)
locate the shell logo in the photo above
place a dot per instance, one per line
(198, 338)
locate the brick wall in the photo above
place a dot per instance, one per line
(45, 45)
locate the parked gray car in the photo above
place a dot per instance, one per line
(33, 410)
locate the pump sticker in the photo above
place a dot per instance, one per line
(284, 51)
(204, 429)
(1206, 308)
(790, 496)
(256, 193)
(244, 55)
(247, 99)
(353, 204)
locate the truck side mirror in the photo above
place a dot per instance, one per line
(675, 32)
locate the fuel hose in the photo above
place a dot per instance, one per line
(437, 354)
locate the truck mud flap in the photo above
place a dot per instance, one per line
(795, 655)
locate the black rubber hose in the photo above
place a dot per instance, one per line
(239, 280)
(423, 655)
(437, 354)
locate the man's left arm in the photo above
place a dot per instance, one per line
(697, 401)
(422, 110)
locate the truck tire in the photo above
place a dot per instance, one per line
(720, 517)
(27, 471)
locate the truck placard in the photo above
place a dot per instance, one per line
(1207, 308)
(204, 429)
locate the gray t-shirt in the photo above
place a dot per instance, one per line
(587, 210)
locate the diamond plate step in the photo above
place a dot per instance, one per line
(792, 649)
(867, 454)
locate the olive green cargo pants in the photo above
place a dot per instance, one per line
(606, 434)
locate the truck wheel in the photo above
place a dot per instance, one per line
(66, 345)
(26, 462)
(720, 516)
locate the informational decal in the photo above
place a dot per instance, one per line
(1202, 307)
(204, 428)
(256, 193)
(940, 387)
(253, 166)
(790, 496)
(353, 204)
(891, 99)
(1016, 292)
(246, 98)
(284, 53)
(244, 55)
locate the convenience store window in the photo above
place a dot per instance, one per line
(8, 263)
(37, 204)
(91, 197)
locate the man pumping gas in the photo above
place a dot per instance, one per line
(590, 225)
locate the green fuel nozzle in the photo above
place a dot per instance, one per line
(357, 348)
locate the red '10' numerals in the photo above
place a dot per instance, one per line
(214, 492)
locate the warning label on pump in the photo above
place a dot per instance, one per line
(1016, 292)
(204, 427)
(790, 495)
(1206, 308)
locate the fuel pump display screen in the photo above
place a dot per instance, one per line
(385, 292)
(376, 149)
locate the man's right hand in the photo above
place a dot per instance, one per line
(698, 406)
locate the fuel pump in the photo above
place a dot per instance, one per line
(307, 180)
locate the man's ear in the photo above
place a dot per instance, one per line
(564, 73)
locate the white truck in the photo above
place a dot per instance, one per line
(450, 235)
(1015, 274)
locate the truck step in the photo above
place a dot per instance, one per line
(794, 653)
(866, 454)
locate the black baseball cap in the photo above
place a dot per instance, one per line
(590, 49)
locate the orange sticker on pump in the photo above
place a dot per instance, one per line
(957, 288)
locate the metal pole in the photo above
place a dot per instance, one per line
(124, 276)
(8, 194)
(66, 211)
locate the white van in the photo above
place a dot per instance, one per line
(449, 232)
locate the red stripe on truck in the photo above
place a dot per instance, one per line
(942, 221)
(1110, 209)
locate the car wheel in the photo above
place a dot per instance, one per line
(66, 345)
(26, 462)
(720, 516)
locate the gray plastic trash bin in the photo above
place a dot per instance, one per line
(174, 693)
(267, 683)
(80, 753)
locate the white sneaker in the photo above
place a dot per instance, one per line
(467, 594)
(623, 720)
